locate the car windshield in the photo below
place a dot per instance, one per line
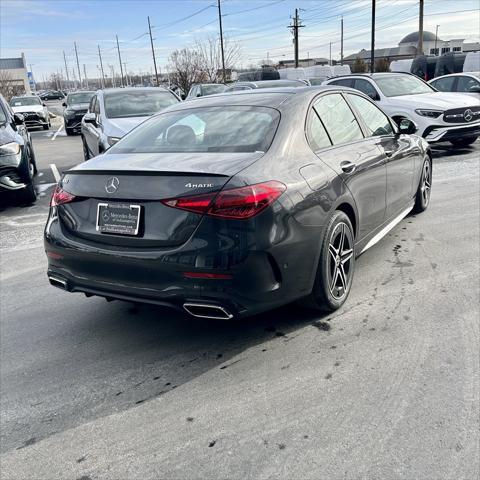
(76, 98)
(137, 104)
(397, 85)
(212, 89)
(209, 129)
(24, 101)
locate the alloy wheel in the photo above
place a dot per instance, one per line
(340, 249)
(426, 184)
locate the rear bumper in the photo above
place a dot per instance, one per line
(259, 279)
(443, 133)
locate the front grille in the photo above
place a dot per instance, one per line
(29, 116)
(80, 113)
(462, 115)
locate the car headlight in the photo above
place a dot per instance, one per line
(9, 149)
(112, 140)
(429, 113)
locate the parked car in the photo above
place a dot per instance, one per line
(264, 73)
(76, 106)
(424, 66)
(17, 158)
(115, 111)
(468, 82)
(235, 204)
(234, 87)
(204, 89)
(52, 95)
(439, 116)
(34, 111)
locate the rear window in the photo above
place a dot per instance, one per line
(140, 103)
(209, 129)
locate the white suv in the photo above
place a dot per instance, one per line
(438, 116)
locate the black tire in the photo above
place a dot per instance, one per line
(46, 126)
(422, 198)
(86, 153)
(28, 195)
(336, 266)
(69, 131)
(463, 142)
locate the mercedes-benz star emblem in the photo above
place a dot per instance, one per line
(467, 115)
(111, 185)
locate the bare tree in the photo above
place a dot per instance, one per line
(9, 87)
(359, 66)
(210, 54)
(185, 68)
(382, 65)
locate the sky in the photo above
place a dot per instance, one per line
(44, 29)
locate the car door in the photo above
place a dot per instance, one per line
(343, 82)
(399, 151)
(92, 131)
(367, 88)
(467, 84)
(446, 84)
(358, 160)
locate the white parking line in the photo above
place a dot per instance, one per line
(55, 172)
(57, 132)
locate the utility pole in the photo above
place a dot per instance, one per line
(341, 41)
(74, 78)
(153, 51)
(78, 65)
(436, 38)
(127, 80)
(221, 41)
(372, 46)
(85, 75)
(420, 28)
(296, 25)
(66, 69)
(120, 60)
(101, 67)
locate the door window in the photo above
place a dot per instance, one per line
(444, 84)
(466, 83)
(366, 87)
(316, 134)
(338, 119)
(375, 120)
(344, 82)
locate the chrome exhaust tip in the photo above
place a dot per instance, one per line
(203, 310)
(58, 282)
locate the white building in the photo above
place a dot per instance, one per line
(14, 75)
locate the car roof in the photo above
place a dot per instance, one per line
(265, 97)
(459, 74)
(108, 91)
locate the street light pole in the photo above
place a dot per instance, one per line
(372, 45)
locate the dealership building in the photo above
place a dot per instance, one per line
(408, 48)
(13, 71)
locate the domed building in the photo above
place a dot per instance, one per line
(408, 48)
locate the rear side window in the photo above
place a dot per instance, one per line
(339, 121)
(208, 129)
(316, 134)
(375, 120)
(465, 84)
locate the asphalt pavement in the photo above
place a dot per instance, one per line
(385, 388)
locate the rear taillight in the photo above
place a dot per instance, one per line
(60, 197)
(239, 203)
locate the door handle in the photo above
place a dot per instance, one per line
(348, 167)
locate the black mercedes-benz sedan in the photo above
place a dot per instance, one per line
(238, 203)
(76, 106)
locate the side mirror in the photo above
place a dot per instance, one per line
(18, 118)
(64, 104)
(406, 126)
(90, 117)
